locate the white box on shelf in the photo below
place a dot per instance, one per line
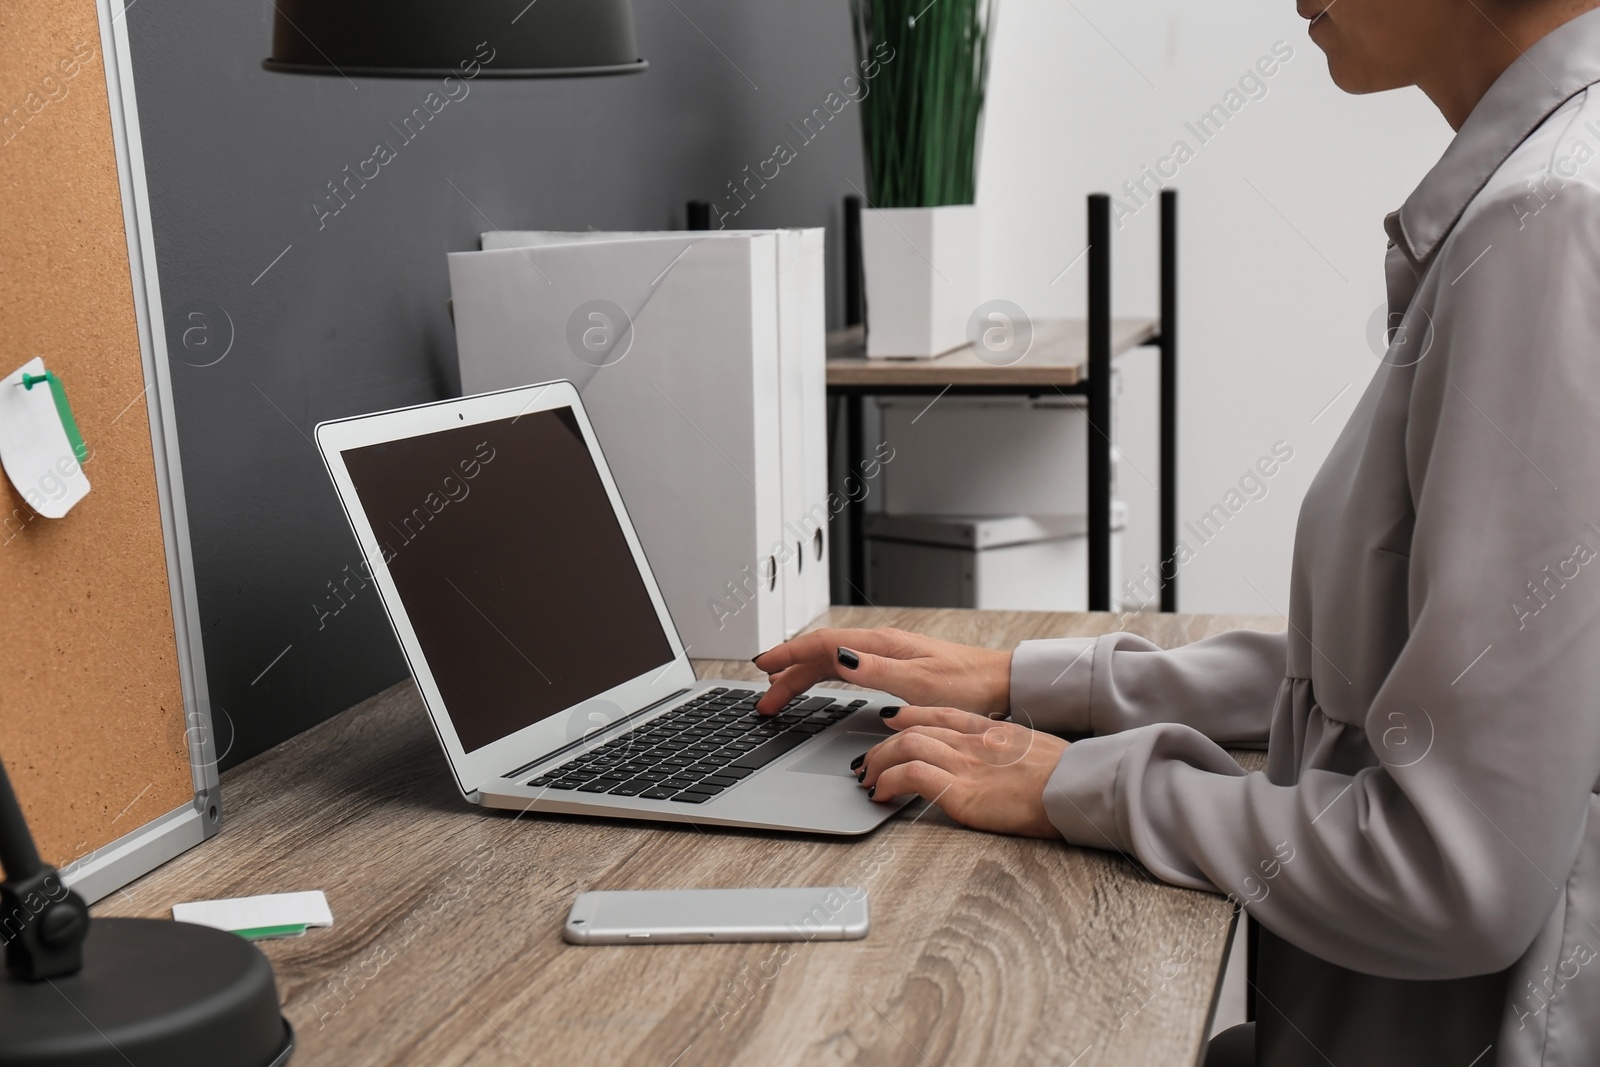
(987, 456)
(995, 563)
(681, 382)
(921, 269)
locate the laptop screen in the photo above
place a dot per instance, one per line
(513, 569)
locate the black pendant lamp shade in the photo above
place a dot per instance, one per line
(439, 38)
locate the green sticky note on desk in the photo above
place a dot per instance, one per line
(262, 917)
(267, 933)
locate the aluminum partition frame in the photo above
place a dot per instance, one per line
(140, 851)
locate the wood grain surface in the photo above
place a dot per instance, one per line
(91, 712)
(1058, 357)
(446, 944)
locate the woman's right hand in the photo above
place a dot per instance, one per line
(919, 670)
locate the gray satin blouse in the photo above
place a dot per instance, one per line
(1423, 850)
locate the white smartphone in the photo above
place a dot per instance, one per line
(821, 913)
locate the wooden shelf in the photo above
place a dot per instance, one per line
(1059, 357)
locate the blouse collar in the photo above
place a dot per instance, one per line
(1560, 66)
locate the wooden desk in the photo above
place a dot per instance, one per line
(446, 947)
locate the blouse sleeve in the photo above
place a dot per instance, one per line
(1223, 686)
(1446, 865)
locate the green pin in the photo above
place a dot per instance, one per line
(63, 411)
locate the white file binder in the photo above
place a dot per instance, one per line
(682, 390)
(817, 505)
(800, 550)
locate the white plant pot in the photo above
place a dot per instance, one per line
(921, 266)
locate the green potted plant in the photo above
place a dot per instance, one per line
(920, 232)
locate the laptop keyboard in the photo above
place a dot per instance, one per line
(698, 749)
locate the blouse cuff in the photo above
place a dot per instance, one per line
(1050, 685)
(1080, 797)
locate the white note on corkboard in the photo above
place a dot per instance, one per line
(35, 450)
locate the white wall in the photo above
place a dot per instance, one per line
(1282, 242)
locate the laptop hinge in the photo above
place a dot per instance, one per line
(564, 749)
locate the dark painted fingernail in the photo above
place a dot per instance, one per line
(758, 655)
(890, 712)
(858, 761)
(850, 660)
(872, 792)
(861, 775)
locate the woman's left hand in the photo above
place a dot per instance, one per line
(987, 774)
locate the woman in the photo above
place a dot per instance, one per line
(1431, 714)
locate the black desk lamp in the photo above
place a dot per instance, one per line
(427, 38)
(114, 992)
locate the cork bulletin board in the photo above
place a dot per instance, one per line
(92, 702)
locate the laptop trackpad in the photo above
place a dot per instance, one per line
(835, 754)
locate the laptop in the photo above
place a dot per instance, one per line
(546, 658)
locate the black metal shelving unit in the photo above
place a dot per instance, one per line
(1095, 388)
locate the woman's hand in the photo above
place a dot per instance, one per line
(914, 668)
(984, 774)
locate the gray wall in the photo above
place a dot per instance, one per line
(352, 318)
